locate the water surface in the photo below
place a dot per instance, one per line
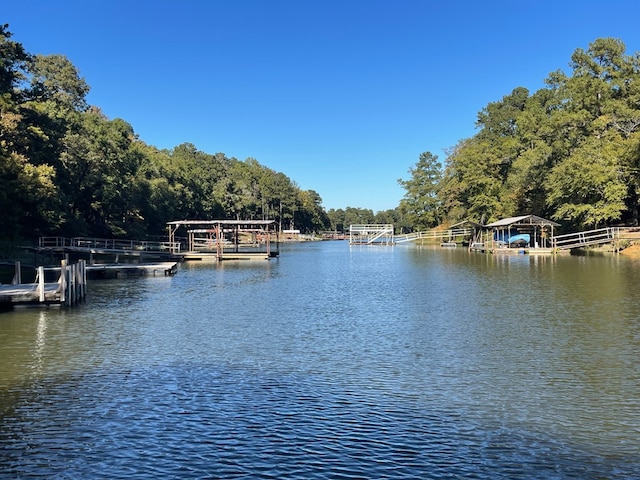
(333, 362)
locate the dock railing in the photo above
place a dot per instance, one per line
(586, 238)
(435, 235)
(108, 244)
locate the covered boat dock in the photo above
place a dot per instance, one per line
(523, 234)
(225, 239)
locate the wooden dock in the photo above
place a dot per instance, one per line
(70, 288)
(218, 257)
(105, 248)
(219, 240)
(125, 270)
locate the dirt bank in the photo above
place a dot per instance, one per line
(632, 251)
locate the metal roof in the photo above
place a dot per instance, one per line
(523, 220)
(221, 222)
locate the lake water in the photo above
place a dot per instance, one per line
(333, 362)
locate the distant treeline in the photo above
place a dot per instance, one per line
(570, 151)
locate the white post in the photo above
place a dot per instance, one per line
(41, 283)
(84, 278)
(72, 284)
(17, 278)
(69, 279)
(63, 281)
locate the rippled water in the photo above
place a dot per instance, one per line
(333, 362)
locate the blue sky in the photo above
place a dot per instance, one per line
(340, 95)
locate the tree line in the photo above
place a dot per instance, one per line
(66, 169)
(569, 152)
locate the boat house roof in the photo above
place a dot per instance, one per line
(523, 220)
(221, 222)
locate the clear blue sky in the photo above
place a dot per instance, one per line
(340, 95)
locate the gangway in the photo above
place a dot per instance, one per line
(450, 235)
(585, 238)
(107, 246)
(380, 234)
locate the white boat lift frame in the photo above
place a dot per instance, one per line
(379, 234)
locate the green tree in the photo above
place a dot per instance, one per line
(586, 188)
(13, 61)
(27, 191)
(421, 204)
(472, 183)
(310, 216)
(98, 167)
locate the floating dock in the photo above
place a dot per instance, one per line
(218, 257)
(124, 270)
(70, 288)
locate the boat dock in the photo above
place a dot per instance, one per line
(115, 249)
(125, 270)
(69, 289)
(220, 240)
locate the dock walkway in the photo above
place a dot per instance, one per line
(105, 246)
(118, 270)
(70, 288)
(597, 236)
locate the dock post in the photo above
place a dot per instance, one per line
(17, 278)
(84, 278)
(63, 281)
(72, 284)
(41, 284)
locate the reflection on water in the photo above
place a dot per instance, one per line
(333, 362)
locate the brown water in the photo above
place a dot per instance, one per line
(333, 362)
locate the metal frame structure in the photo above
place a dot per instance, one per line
(380, 234)
(226, 239)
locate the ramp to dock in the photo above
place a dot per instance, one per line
(586, 238)
(104, 246)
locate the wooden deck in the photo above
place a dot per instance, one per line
(479, 247)
(217, 257)
(72, 282)
(30, 294)
(70, 288)
(120, 270)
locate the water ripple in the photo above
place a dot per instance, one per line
(333, 362)
(206, 422)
